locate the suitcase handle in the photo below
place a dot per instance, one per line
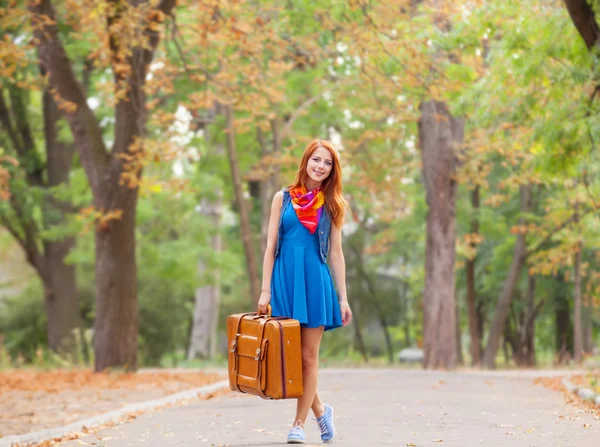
(269, 311)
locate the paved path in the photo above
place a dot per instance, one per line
(377, 408)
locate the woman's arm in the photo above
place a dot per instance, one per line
(269, 258)
(338, 266)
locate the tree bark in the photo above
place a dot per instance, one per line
(439, 132)
(116, 323)
(577, 324)
(588, 336)
(564, 328)
(206, 309)
(475, 347)
(358, 336)
(266, 194)
(503, 304)
(251, 261)
(529, 329)
(584, 19)
(460, 360)
(60, 286)
(522, 339)
(270, 184)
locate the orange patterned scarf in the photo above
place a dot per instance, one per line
(308, 206)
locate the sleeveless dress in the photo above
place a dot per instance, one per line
(301, 285)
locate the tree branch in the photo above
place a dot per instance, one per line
(68, 92)
(167, 6)
(28, 241)
(553, 232)
(130, 114)
(584, 19)
(296, 114)
(5, 120)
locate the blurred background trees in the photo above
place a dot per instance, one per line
(142, 142)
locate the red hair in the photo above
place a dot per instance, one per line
(335, 203)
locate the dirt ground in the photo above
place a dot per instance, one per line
(35, 400)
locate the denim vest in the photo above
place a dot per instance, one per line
(323, 228)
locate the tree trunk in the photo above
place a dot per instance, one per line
(439, 132)
(522, 339)
(583, 17)
(251, 261)
(460, 359)
(274, 180)
(206, 310)
(116, 324)
(586, 321)
(577, 325)
(357, 290)
(532, 311)
(206, 314)
(564, 328)
(60, 287)
(388, 339)
(270, 185)
(372, 292)
(358, 336)
(471, 291)
(405, 315)
(503, 305)
(266, 194)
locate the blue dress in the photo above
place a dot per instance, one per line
(301, 285)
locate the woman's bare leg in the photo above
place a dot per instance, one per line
(317, 406)
(311, 339)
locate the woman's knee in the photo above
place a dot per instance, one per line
(310, 358)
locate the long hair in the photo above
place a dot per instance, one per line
(335, 204)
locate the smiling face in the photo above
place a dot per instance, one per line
(319, 166)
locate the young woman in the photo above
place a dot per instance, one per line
(305, 230)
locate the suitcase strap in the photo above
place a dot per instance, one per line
(261, 352)
(260, 355)
(233, 350)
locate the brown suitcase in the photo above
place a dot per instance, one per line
(265, 356)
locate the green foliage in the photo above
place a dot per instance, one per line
(23, 322)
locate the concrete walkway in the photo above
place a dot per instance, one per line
(377, 408)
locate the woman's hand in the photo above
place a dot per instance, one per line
(263, 301)
(346, 313)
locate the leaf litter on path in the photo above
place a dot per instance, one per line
(32, 400)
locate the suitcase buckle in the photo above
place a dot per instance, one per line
(233, 346)
(257, 354)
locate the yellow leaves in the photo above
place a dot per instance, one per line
(519, 229)
(496, 200)
(473, 238)
(536, 148)
(63, 104)
(5, 176)
(467, 246)
(241, 27)
(12, 55)
(101, 219)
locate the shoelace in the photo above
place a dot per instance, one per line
(322, 425)
(296, 430)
